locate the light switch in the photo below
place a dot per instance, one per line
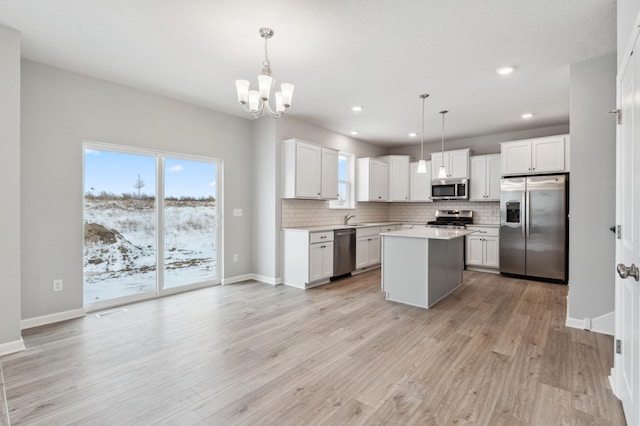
(237, 212)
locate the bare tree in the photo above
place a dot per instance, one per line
(138, 184)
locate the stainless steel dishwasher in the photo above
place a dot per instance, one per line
(344, 251)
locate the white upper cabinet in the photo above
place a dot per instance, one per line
(419, 183)
(484, 180)
(540, 155)
(372, 180)
(456, 164)
(309, 171)
(329, 175)
(398, 177)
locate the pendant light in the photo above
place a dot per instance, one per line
(442, 172)
(422, 164)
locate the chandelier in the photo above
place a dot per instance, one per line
(256, 101)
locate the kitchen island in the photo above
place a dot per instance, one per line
(422, 266)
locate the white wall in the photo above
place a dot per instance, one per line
(10, 249)
(628, 12)
(60, 109)
(592, 188)
(265, 224)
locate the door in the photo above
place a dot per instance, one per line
(458, 167)
(547, 154)
(379, 181)
(516, 157)
(491, 252)
(546, 226)
(420, 183)
(329, 184)
(308, 171)
(512, 229)
(478, 179)
(190, 221)
(493, 177)
(627, 290)
(437, 161)
(474, 250)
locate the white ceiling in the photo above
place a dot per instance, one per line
(380, 54)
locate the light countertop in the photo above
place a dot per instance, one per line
(430, 233)
(321, 228)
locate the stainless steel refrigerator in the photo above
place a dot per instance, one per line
(534, 228)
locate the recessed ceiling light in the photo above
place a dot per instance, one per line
(526, 115)
(413, 134)
(356, 108)
(505, 70)
(354, 132)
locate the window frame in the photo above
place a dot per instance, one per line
(349, 203)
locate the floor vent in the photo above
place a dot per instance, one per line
(114, 311)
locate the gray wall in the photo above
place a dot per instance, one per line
(60, 109)
(592, 191)
(266, 224)
(628, 12)
(10, 251)
(488, 144)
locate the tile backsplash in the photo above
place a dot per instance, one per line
(300, 213)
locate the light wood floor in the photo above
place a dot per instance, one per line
(495, 352)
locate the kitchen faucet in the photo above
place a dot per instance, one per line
(348, 216)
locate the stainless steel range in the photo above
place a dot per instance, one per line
(455, 219)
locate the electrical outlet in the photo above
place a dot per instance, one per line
(235, 257)
(57, 285)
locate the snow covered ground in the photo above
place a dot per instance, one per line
(120, 245)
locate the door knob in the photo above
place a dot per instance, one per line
(625, 271)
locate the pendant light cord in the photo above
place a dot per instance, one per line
(424, 96)
(422, 132)
(443, 136)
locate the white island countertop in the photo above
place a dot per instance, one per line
(430, 233)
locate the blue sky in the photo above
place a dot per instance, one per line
(117, 173)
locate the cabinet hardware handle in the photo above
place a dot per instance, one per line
(324, 236)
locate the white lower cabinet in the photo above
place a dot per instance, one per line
(307, 257)
(367, 247)
(483, 248)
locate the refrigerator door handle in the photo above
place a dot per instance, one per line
(523, 215)
(528, 214)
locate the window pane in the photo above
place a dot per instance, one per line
(119, 224)
(189, 222)
(342, 167)
(342, 192)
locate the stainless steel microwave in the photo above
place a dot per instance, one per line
(450, 189)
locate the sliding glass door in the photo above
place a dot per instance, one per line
(190, 221)
(131, 233)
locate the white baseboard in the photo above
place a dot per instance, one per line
(236, 279)
(267, 280)
(575, 323)
(12, 347)
(604, 324)
(256, 277)
(52, 318)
